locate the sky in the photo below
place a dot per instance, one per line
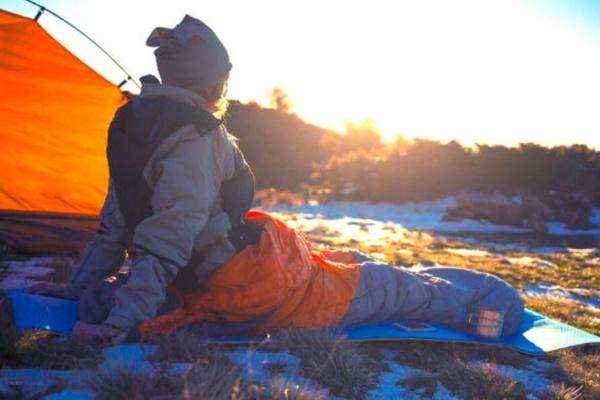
(493, 72)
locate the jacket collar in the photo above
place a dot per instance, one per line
(176, 93)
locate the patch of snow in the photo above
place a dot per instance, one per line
(589, 252)
(24, 273)
(33, 381)
(127, 356)
(527, 261)
(541, 366)
(558, 228)
(595, 219)
(549, 250)
(589, 297)
(253, 362)
(535, 383)
(387, 387)
(349, 188)
(470, 252)
(11, 282)
(345, 229)
(71, 394)
(425, 215)
(517, 247)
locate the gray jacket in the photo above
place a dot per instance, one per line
(185, 173)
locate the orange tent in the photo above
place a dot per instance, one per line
(54, 116)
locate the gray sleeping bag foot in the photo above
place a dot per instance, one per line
(438, 295)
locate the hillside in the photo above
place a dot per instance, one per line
(280, 147)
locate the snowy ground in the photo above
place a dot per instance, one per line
(424, 216)
(254, 365)
(411, 233)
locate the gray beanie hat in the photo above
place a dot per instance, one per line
(189, 55)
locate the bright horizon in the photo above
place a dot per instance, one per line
(499, 72)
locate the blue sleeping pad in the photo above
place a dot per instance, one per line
(536, 335)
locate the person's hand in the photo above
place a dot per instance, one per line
(51, 289)
(103, 334)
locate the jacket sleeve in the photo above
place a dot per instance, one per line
(105, 254)
(186, 186)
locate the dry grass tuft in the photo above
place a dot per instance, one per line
(274, 369)
(579, 368)
(41, 349)
(7, 253)
(567, 311)
(55, 386)
(481, 381)
(180, 346)
(426, 384)
(347, 369)
(8, 329)
(215, 379)
(277, 389)
(563, 392)
(448, 364)
(62, 267)
(428, 355)
(129, 383)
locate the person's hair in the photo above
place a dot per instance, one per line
(215, 96)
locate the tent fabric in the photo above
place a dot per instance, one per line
(54, 117)
(46, 233)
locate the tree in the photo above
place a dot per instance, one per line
(280, 100)
(362, 135)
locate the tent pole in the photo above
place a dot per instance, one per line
(42, 9)
(39, 13)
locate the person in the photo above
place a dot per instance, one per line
(180, 193)
(179, 186)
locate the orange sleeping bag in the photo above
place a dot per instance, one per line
(281, 275)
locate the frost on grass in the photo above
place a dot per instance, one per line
(568, 311)
(589, 297)
(348, 370)
(317, 367)
(25, 272)
(19, 274)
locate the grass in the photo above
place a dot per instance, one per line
(567, 311)
(471, 372)
(346, 369)
(8, 330)
(450, 365)
(581, 367)
(278, 389)
(7, 253)
(428, 355)
(332, 366)
(180, 346)
(61, 266)
(40, 349)
(128, 383)
(467, 382)
(213, 378)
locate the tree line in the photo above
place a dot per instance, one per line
(287, 153)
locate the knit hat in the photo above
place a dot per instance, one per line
(189, 55)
